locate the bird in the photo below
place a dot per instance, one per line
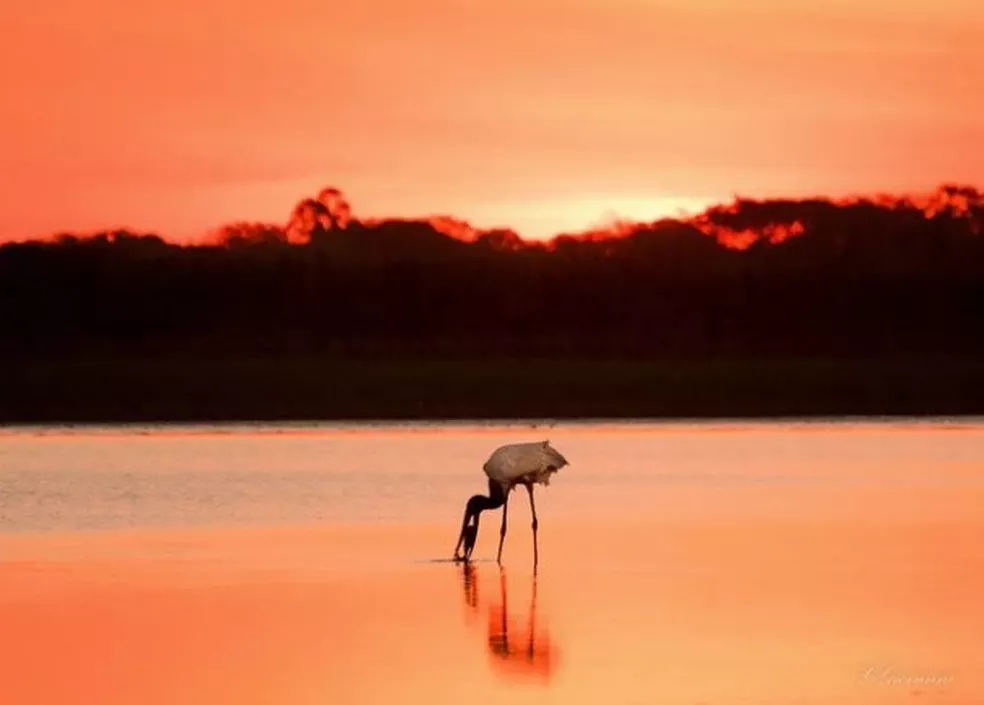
(509, 465)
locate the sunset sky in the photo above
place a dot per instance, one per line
(178, 116)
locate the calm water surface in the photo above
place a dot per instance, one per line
(680, 563)
(180, 476)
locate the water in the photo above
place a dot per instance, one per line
(94, 478)
(716, 562)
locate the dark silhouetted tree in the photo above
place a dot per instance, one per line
(314, 218)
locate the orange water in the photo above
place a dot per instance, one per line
(746, 563)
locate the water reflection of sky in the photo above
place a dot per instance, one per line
(674, 568)
(727, 613)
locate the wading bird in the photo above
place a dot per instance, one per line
(515, 464)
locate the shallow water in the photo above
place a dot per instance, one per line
(680, 563)
(187, 476)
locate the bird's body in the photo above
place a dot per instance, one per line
(513, 464)
(522, 463)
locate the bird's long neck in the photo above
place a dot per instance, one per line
(473, 509)
(496, 498)
(479, 503)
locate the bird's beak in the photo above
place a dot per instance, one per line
(470, 535)
(466, 537)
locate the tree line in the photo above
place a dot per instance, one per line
(886, 277)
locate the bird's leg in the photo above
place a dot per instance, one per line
(502, 529)
(536, 556)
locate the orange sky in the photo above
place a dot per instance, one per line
(178, 116)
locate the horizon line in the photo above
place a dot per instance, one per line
(609, 221)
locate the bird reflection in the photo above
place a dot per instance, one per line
(518, 649)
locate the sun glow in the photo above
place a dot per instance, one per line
(577, 214)
(585, 118)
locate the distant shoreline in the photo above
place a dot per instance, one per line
(545, 426)
(229, 389)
